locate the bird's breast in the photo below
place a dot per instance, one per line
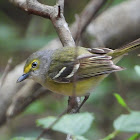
(83, 87)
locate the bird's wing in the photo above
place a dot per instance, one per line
(83, 67)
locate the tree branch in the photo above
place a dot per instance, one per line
(54, 13)
(116, 26)
(5, 72)
(61, 4)
(36, 8)
(20, 3)
(25, 96)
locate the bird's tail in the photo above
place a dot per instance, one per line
(125, 49)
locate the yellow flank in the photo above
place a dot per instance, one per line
(28, 67)
(82, 87)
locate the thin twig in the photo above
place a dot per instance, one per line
(78, 34)
(100, 41)
(61, 5)
(75, 56)
(51, 125)
(109, 3)
(68, 110)
(87, 16)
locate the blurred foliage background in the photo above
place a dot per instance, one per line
(22, 34)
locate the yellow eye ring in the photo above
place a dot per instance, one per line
(34, 64)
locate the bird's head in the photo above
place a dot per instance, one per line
(36, 66)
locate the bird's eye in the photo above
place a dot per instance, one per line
(34, 64)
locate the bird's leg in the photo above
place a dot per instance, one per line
(85, 99)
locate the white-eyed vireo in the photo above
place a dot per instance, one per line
(55, 69)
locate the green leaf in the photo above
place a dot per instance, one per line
(24, 138)
(121, 101)
(128, 123)
(74, 124)
(134, 137)
(137, 69)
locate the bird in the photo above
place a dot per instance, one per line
(58, 70)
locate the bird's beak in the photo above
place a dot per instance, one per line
(23, 77)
